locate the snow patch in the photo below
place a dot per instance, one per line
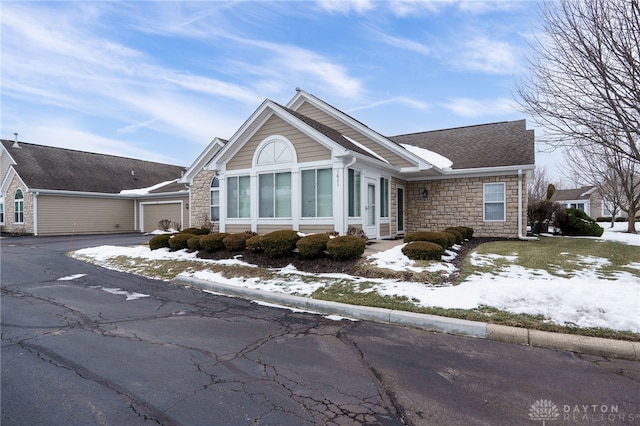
(71, 277)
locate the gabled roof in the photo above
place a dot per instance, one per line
(583, 193)
(502, 144)
(50, 168)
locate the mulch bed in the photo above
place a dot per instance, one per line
(324, 264)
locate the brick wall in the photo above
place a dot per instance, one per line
(458, 202)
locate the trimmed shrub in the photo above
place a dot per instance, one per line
(346, 247)
(469, 232)
(423, 250)
(236, 242)
(253, 243)
(196, 231)
(194, 243)
(312, 245)
(451, 239)
(462, 230)
(455, 233)
(179, 241)
(279, 243)
(439, 238)
(213, 242)
(577, 223)
(159, 241)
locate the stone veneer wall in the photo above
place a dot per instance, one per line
(9, 225)
(458, 202)
(200, 204)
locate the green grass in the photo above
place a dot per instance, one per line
(561, 257)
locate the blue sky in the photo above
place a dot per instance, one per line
(160, 80)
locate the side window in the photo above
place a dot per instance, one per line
(1, 210)
(18, 208)
(215, 199)
(354, 193)
(494, 202)
(384, 197)
(238, 197)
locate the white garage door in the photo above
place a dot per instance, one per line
(153, 213)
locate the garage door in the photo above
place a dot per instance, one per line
(153, 213)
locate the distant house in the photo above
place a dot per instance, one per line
(585, 198)
(47, 191)
(310, 167)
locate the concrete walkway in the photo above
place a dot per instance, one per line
(376, 246)
(521, 336)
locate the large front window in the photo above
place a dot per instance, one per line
(18, 207)
(494, 202)
(215, 199)
(238, 197)
(274, 194)
(317, 193)
(354, 193)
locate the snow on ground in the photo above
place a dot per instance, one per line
(584, 299)
(71, 277)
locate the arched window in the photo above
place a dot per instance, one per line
(215, 199)
(18, 207)
(275, 151)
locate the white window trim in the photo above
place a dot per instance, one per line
(504, 202)
(211, 205)
(291, 207)
(15, 211)
(226, 190)
(388, 200)
(328, 167)
(359, 196)
(268, 140)
(4, 210)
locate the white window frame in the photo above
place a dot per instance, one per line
(2, 211)
(485, 202)
(354, 196)
(18, 210)
(315, 195)
(237, 200)
(275, 198)
(217, 190)
(385, 197)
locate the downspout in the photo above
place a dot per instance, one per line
(520, 235)
(345, 195)
(35, 213)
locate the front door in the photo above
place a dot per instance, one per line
(370, 228)
(400, 204)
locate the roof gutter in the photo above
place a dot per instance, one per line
(60, 192)
(520, 235)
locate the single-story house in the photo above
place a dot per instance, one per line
(54, 191)
(310, 167)
(585, 198)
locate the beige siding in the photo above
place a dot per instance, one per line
(265, 229)
(314, 113)
(237, 228)
(316, 229)
(59, 215)
(306, 148)
(385, 230)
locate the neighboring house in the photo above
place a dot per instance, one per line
(48, 191)
(586, 199)
(310, 167)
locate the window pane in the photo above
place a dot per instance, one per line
(325, 193)
(244, 204)
(308, 195)
(215, 213)
(354, 193)
(232, 197)
(266, 190)
(494, 192)
(283, 195)
(494, 211)
(384, 197)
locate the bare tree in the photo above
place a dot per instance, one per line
(537, 187)
(584, 82)
(615, 176)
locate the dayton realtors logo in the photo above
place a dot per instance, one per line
(545, 411)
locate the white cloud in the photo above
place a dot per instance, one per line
(402, 43)
(346, 6)
(412, 103)
(488, 55)
(474, 108)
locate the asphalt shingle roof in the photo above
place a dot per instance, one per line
(46, 167)
(583, 193)
(501, 144)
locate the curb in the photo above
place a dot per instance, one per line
(500, 333)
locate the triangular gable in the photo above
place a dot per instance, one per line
(321, 134)
(352, 128)
(203, 159)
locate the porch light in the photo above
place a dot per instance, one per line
(425, 193)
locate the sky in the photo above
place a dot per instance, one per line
(160, 80)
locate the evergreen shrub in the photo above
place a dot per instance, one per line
(423, 250)
(346, 247)
(312, 245)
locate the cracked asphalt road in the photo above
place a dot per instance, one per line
(75, 354)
